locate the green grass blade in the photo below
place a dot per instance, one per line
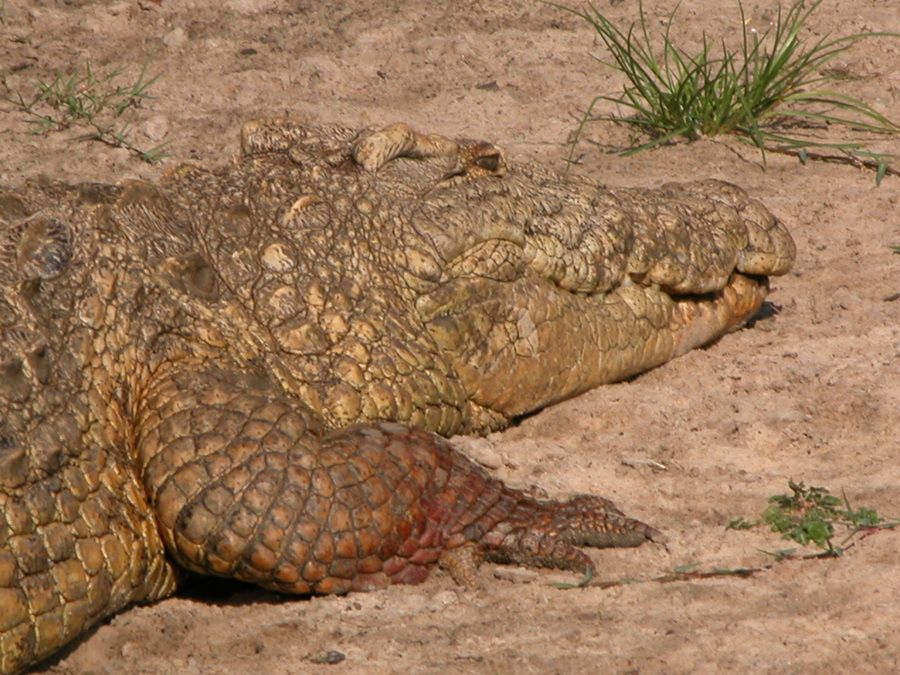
(771, 78)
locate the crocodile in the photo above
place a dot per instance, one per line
(249, 371)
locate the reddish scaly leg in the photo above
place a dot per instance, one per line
(464, 507)
(244, 486)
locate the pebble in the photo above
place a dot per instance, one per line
(156, 128)
(330, 657)
(175, 38)
(442, 600)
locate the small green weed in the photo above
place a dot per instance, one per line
(813, 515)
(86, 98)
(757, 92)
(807, 515)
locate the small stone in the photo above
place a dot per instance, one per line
(175, 38)
(442, 600)
(330, 657)
(156, 128)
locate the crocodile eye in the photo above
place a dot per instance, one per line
(489, 162)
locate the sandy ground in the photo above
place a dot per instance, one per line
(811, 392)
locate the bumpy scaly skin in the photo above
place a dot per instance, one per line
(242, 371)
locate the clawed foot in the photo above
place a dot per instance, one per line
(545, 533)
(548, 533)
(472, 517)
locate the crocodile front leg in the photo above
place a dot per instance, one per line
(247, 485)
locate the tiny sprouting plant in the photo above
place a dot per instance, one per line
(89, 99)
(812, 515)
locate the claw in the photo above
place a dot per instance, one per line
(548, 533)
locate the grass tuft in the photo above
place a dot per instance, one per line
(86, 98)
(760, 92)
